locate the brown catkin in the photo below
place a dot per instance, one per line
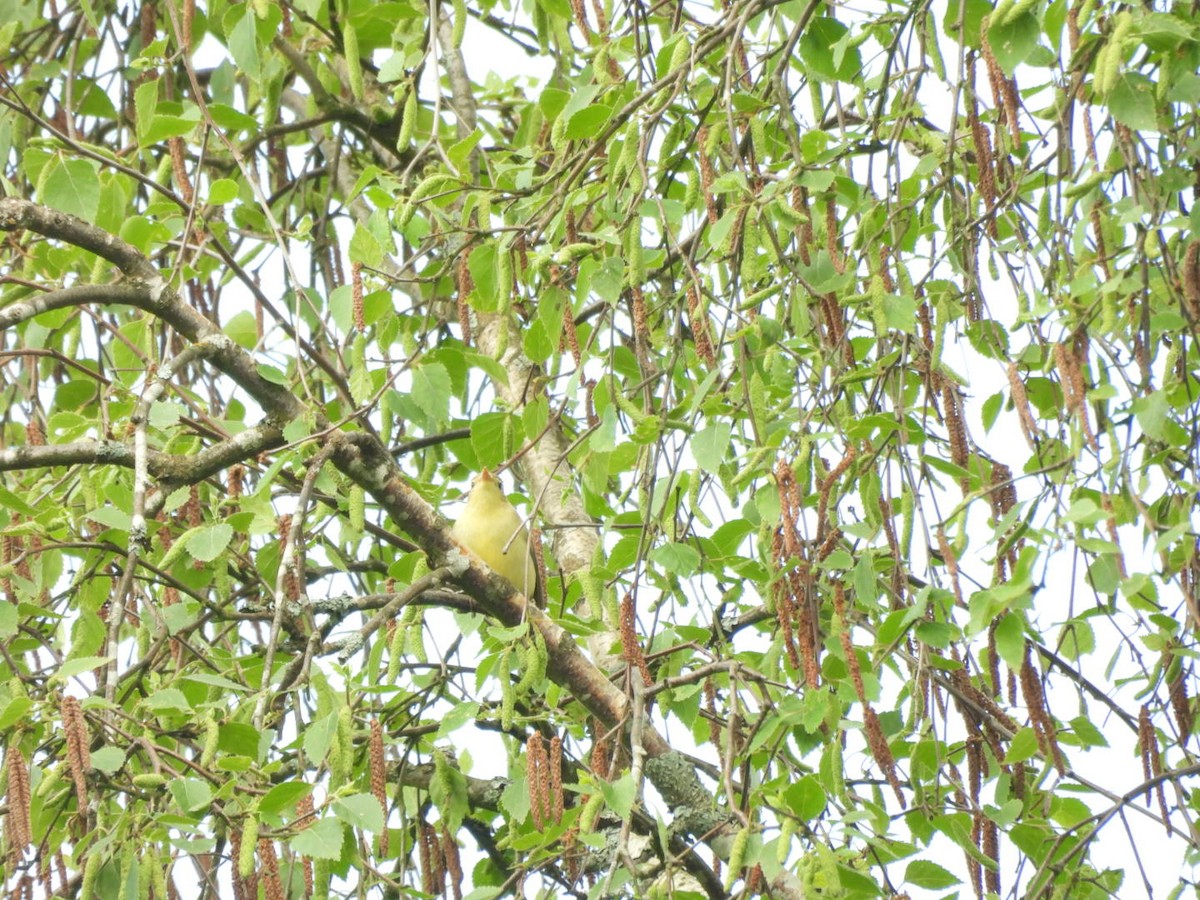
(243, 888)
(356, 296)
(839, 608)
(536, 765)
(600, 760)
(581, 21)
(189, 16)
(641, 329)
(557, 800)
(710, 707)
(1020, 399)
(179, 169)
(880, 750)
(18, 830)
(1152, 762)
(1181, 704)
(1039, 715)
(631, 647)
(707, 176)
(237, 481)
(453, 862)
(1191, 280)
(832, 232)
(570, 336)
(378, 767)
(271, 882)
(982, 145)
(698, 320)
(78, 742)
(956, 429)
(305, 809)
(465, 285)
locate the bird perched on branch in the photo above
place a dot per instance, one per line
(491, 529)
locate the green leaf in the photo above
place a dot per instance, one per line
(319, 736)
(1010, 640)
(191, 793)
(73, 667)
(710, 446)
(365, 247)
(360, 811)
(1013, 41)
(1132, 102)
(320, 840)
(15, 710)
(1024, 746)
(929, 875)
(587, 122)
(8, 620)
(207, 544)
(619, 795)
(826, 53)
(167, 700)
(282, 798)
(678, 559)
(108, 759)
(243, 40)
(72, 186)
(806, 798)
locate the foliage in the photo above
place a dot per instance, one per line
(846, 357)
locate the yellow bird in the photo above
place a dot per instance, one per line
(488, 525)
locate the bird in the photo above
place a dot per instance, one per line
(488, 525)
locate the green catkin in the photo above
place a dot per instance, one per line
(679, 55)
(691, 197)
(737, 857)
(1017, 9)
(322, 875)
(353, 61)
(91, 874)
(590, 813)
(934, 51)
(158, 878)
(395, 652)
(504, 276)
(612, 613)
(558, 133)
(356, 500)
(408, 120)
(246, 850)
(788, 213)
(877, 297)
(460, 23)
(442, 775)
(694, 501)
(906, 526)
(149, 874)
(787, 831)
(1000, 12)
(345, 738)
(128, 860)
(758, 131)
(627, 160)
(212, 735)
(939, 336)
(51, 779)
(1109, 306)
(508, 694)
(414, 635)
(634, 258)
